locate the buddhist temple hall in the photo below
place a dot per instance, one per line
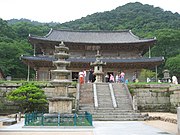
(120, 50)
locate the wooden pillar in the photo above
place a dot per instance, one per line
(156, 73)
(28, 72)
(34, 49)
(149, 52)
(49, 76)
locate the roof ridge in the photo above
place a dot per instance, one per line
(100, 31)
(51, 30)
(137, 37)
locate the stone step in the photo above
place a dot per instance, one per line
(105, 106)
(123, 103)
(92, 111)
(104, 100)
(123, 99)
(105, 103)
(115, 113)
(86, 101)
(86, 105)
(83, 109)
(103, 94)
(112, 110)
(118, 119)
(117, 116)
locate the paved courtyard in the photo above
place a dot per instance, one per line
(100, 128)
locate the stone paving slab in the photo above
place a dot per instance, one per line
(126, 128)
(165, 126)
(100, 128)
(7, 121)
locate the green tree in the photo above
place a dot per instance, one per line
(6, 30)
(168, 44)
(10, 62)
(145, 73)
(23, 29)
(29, 98)
(173, 64)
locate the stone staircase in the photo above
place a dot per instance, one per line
(86, 100)
(104, 95)
(106, 109)
(122, 96)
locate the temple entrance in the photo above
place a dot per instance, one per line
(75, 76)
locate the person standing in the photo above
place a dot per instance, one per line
(81, 77)
(111, 79)
(107, 78)
(90, 75)
(122, 76)
(85, 79)
(134, 78)
(126, 81)
(174, 80)
(117, 78)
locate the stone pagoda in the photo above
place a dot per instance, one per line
(60, 102)
(98, 71)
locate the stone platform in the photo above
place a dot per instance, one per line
(7, 121)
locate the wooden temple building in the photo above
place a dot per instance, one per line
(121, 50)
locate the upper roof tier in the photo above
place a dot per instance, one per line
(93, 37)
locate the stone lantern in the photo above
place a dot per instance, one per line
(166, 77)
(98, 68)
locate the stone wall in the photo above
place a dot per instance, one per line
(156, 97)
(7, 107)
(174, 97)
(149, 97)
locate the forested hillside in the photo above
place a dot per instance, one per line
(144, 20)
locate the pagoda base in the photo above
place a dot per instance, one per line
(99, 79)
(60, 105)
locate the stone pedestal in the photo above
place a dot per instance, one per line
(99, 78)
(60, 105)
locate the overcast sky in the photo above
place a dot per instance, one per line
(67, 10)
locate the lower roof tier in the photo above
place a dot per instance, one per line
(82, 62)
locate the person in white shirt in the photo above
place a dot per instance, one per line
(81, 77)
(174, 80)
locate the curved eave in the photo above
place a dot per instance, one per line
(89, 60)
